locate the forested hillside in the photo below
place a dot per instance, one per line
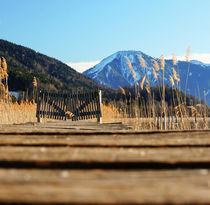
(24, 64)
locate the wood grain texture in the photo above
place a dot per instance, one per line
(105, 187)
(88, 163)
(87, 139)
(105, 155)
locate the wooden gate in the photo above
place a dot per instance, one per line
(78, 105)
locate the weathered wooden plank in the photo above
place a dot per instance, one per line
(105, 187)
(110, 140)
(104, 155)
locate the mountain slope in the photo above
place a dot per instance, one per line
(113, 72)
(24, 64)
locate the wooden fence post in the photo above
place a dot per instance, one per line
(99, 117)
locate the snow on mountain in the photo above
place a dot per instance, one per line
(113, 72)
(198, 63)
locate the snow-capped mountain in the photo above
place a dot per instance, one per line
(199, 63)
(113, 72)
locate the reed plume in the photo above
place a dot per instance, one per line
(188, 54)
(156, 66)
(128, 63)
(188, 70)
(34, 82)
(122, 90)
(3, 78)
(154, 74)
(4, 64)
(142, 62)
(175, 75)
(130, 67)
(142, 81)
(162, 62)
(171, 80)
(147, 87)
(174, 59)
(134, 74)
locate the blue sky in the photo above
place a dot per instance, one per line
(90, 30)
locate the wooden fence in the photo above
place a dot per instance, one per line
(78, 105)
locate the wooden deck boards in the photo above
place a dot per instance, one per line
(105, 155)
(88, 163)
(111, 139)
(104, 187)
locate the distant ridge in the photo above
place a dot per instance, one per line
(25, 63)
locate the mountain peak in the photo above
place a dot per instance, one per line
(113, 71)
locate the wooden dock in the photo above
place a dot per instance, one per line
(92, 163)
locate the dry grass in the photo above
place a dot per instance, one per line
(110, 114)
(14, 113)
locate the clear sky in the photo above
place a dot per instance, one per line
(90, 30)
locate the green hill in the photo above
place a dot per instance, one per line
(24, 64)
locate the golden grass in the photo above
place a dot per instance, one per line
(110, 114)
(14, 113)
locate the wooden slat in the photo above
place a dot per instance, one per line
(53, 105)
(84, 105)
(71, 104)
(67, 155)
(44, 101)
(42, 104)
(79, 104)
(60, 105)
(104, 187)
(89, 105)
(66, 106)
(93, 104)
(50, 107)
(110, 140)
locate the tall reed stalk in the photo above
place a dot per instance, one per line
(188, 70)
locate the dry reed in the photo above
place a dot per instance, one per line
(130, 67)
(156, 66)
(122, 90)
(17, 113)
(142, 62)
(174, 59)
(142, 81)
